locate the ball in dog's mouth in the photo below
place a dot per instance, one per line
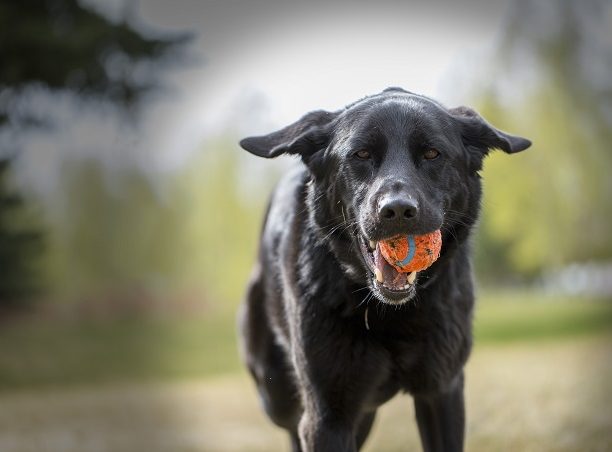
(395, 263)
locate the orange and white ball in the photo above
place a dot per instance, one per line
(409, 253)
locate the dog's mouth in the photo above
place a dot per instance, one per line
(388, 284)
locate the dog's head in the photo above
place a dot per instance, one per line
(393, 163)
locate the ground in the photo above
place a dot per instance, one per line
(548, 395)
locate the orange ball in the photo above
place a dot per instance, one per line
(409, 253)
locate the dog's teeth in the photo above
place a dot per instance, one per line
(372, 245)
(411, 278)
(379, 275)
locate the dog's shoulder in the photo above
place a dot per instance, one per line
(282, 228)
(286, 202)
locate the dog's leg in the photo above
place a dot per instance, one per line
(338, 376)
(363, 430)
(324, 435)
(441, 419)
(266, 360)
(295, 443)
(331, 410)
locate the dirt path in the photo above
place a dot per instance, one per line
(543, 397)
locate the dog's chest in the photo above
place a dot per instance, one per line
(421, 359)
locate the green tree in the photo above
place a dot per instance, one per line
(193, 232)
(60, 45)
(550, 205)
(64, 45)
(19, 246)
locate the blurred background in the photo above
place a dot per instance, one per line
(129, 216)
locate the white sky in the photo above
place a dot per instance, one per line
(262, 65)
(276, 61)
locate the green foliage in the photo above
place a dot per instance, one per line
(119, 230)
(115, 233)
(548, 206)
(61, 45)
(223, 224)
(20, 245)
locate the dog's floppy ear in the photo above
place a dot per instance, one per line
(478, 133)
(304, 137)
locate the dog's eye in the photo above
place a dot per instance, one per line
(363, 154)
(431, 154)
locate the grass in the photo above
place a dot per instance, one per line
(43, 353)
(511, 317)
(538, 379)
(520, 396)
(39, 353)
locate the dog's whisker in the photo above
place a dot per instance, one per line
(360, 289)
(365, 300)
(314, 200)
(338, 227)
(459, 217)
(334, 224)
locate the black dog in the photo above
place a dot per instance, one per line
(323, 360)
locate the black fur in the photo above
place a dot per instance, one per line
(325, 343)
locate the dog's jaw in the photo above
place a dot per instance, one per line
(397, 295)
(352, 249)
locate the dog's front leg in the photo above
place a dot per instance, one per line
(319, 433)
(441, 419)
(331, 410)
(338, 371)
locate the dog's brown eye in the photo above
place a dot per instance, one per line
(363, 154)
(431, 154)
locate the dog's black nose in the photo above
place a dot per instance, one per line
(397, 208)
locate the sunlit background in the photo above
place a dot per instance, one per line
(129, 216)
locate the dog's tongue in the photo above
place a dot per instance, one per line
(386, 274)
